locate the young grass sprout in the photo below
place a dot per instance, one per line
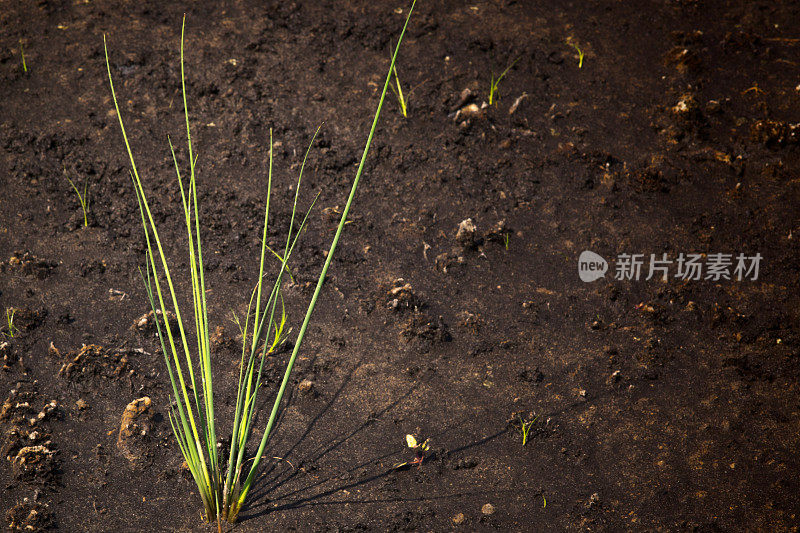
(22, 53)
(525, 428)
(420, 449)
(398, 92)
(580, 53)
(223, 484)
(495, 82)
(10, 329)
(82, 198)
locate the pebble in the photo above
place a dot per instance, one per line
(459, 518)
(487, 509)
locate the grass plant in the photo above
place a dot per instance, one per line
(580, 53)
(224, 483)
(22, 53)
(10, 329)
(525, 428)
(495, 82)
(82, 198)
(398, 92)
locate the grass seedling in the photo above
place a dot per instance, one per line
(495, 82)
(398, 92)
(420, 449)
(580, 53)
(506, 240)
(11, 329)
(223, 485)
(525, 428)
(82, 198)
(22, 53)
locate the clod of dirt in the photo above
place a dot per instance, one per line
(30, 264)
(9, 356)
(422, 327)
(498, 232)
(593, 500)
(41, 415)
(773, 133)
(134, 425)
(465, 235)
(17, 405)
(34, 463)
(93, 360)
(469, 111)
(17, 437)
(305, 386)
(464, 98)
(448, 260)
(81, 404)
(147, 322)
(656, 175)
(29, 516)
(686, 105)
(459, 519)
(682, 59)
(487, 509)
(401, 296)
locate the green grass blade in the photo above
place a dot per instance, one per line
(276, 405)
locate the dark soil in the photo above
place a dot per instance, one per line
(658, 405)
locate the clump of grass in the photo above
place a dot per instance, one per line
(495, 82)
(580, 53)
(223, 485)
(10, 329)
(22, 53)
(82, 198)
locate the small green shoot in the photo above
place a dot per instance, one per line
(496, 82)
(420, 448)
(82, 198)
(580, 53)
(22, 53)
(525, 428)
(506, 240)
(398, 92)
(11, 329)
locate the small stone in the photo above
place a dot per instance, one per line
(459, 518)
(81, 404)
(487, 509)
(305, 386)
